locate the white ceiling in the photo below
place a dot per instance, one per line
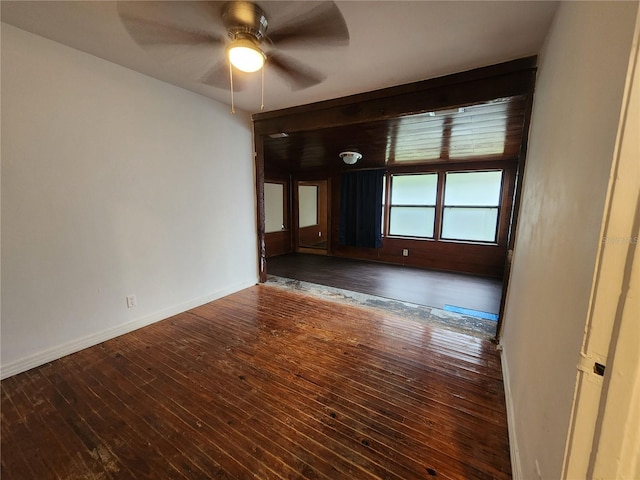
(391, 43)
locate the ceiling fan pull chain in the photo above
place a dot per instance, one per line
(262, 91)
(233, 110)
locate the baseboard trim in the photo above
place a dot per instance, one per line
(40, 358)
(516, 467)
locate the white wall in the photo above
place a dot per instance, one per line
(113, 183)
(577, 106)
(604, 439)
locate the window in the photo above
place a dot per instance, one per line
(471, 206)
(445, 205)
(274, 207)
(307, 205)
(413, 205)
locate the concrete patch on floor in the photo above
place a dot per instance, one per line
(455, 321)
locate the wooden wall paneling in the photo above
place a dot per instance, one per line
(334, 227)
(508, 190)
(518, 176)
(323, 213)
(295, 215)
(475, 86)
(515, 208)
(328, 214)
(259, 167)
(462, 95)
(490, 130)
(278, 243)
(486, 260)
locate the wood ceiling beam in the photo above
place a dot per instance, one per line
(508, 79)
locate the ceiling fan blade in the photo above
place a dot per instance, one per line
(147, 32)
(218, 76)
(178, 23)
(323, 24)
(299, 76)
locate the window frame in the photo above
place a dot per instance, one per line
(504, 208)
(285, 204)
(301, 184)
(389, 205)
(497, 207)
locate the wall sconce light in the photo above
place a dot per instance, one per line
(350, 158)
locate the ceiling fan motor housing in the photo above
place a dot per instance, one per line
(244, 19)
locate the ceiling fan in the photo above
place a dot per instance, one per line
(241, 33)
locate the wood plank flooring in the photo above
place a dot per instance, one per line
(415, 285)
(266, 384)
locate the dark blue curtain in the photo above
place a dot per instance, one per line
(361, 209)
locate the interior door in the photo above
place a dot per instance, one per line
(311, 214)
(277, 236)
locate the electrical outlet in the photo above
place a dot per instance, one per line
(405, 252)
(131, 301)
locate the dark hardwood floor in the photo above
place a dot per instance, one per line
(266, 384)
(423, 287)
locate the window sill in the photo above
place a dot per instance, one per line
(441, 240)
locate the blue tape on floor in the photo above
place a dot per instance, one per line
(473, 313)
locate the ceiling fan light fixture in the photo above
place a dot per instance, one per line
(245, 55)
(350, 158)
